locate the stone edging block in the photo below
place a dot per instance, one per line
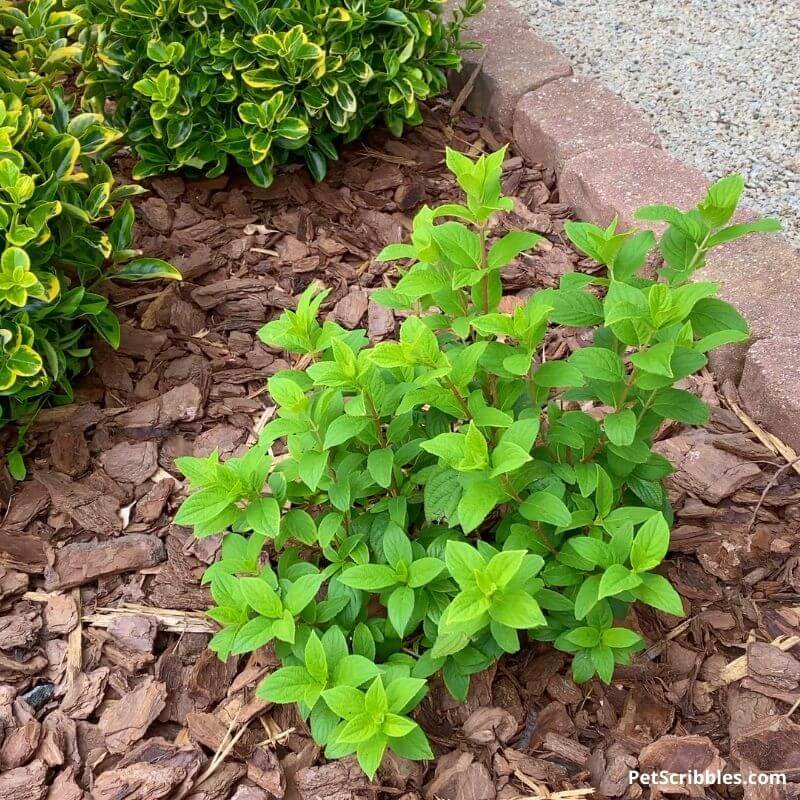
(512, 61)
(616, 181)
(608, 163)
(760, 276)
(770, 387)
(570, 116)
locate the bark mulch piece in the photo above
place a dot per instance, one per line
(107, 690)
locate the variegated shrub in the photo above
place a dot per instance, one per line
(197, 83)
(57, 196)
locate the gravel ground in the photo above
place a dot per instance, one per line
(720, 78)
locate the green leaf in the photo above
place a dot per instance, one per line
(476, 452)
(620, 427)
(576, 308)
(586, 475)
(621, 638)
(466, 606)
(657, 591)
(395, 726)
(463, 561)
(503, 567)
(302, 592)
(558, 373)
(505, 250)
(370, 754)
(311, 467)
(413, 746)
(664, 213)
(354, 670)
(393, 252)
(261, 597)
(477, 501)
(507, 457)
(737, 231)
(375, 700)
(342, 429)
(459, 245)
(346, 701)
(16, 465)
(369, 577)
(203, 506)
(107, 325)
(593, 550)
(442, 493)
(222, 642)
(315, 659)
(650, 544)
(449, 447)
(518, 364)
(400, 607)
(379, 464)
(721, 200)
(545, 507)
(286, 685)
(583, 637)
(633, 255)
(396, 546)
(522, 433)
(517, 609)
(588, 596)
(63, 156)
(247, 10)
(264, 516)
(680, 405)
(583, 668)
(284, 629)
(494, 324)
(616, 580)
(599, 364)
(147, 269)
(602, 659)
(252, 635)
(424, 570)
(421, 282)
(298, 525)
(358, 729)
(604, 493)
(656, 359)
(712, 315)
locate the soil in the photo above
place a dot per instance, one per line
(107, 691)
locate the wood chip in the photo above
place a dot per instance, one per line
(126, 720)
(80, 563)
(24, 783)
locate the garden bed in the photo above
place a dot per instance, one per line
(107, 679)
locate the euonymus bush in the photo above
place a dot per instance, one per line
(57, 196)
(429, 499)
(197, 83)
(41, 52)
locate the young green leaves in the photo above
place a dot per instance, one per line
(229, 495)
(597, 647)
(398, 579)
(448, 494)
(495, 591)
(375, 719)
(456, 269)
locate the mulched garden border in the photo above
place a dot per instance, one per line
(107, 689)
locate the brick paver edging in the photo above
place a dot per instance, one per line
(608, 161)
